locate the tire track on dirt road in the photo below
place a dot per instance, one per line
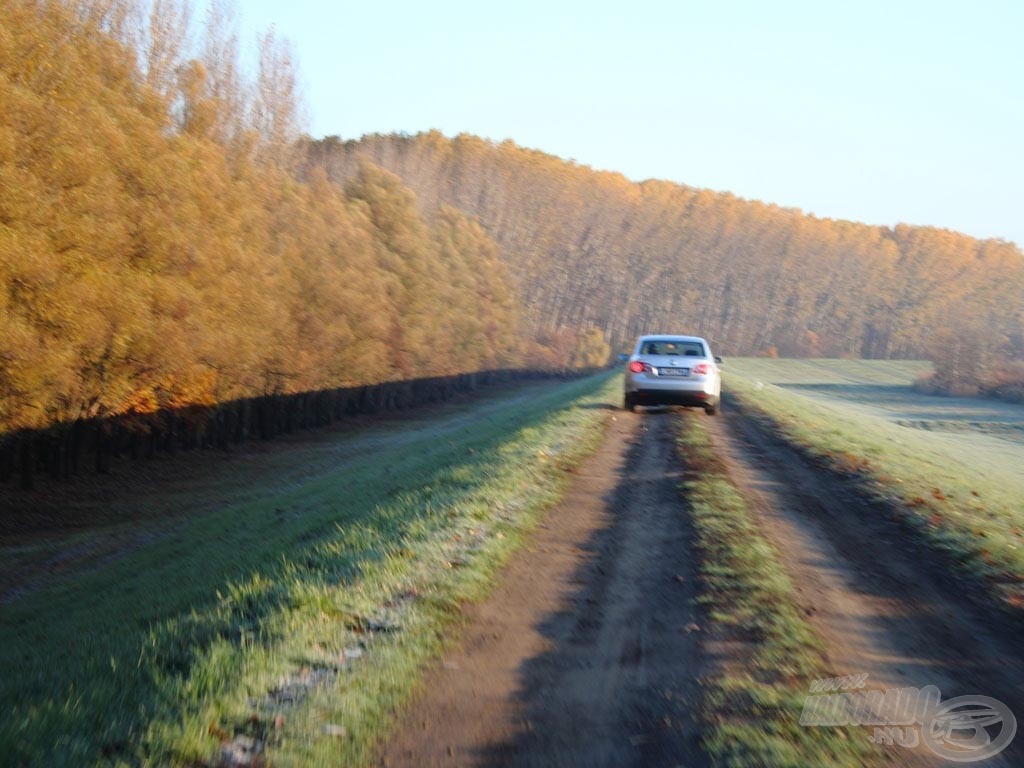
(882, 604)
(587, 653)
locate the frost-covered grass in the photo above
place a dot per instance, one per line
(292, 622)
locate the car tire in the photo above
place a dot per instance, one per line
(629, 402)
(711, 410)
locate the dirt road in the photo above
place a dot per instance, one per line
(589, 652)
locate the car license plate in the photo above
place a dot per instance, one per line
(673, 371)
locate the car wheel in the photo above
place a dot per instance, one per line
(711, 410)
(629, 402)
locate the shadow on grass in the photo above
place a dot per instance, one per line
(94, 663)
(904, 402)
(870, 393)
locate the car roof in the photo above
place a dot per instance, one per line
(670, 337)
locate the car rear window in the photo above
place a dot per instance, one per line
(685, 348)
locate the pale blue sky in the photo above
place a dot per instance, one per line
(874, 111)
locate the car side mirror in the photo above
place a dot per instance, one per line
(719, 360)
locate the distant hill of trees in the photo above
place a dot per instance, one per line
(594, 249)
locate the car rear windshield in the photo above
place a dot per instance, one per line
(668, 347)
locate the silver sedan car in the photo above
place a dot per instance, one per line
(673, 370)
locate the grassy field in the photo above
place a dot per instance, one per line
(288, 616)
(753, 702)
(952, 465)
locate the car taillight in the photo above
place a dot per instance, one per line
(636, 366)
(702, 369)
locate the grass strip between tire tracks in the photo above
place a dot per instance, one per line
(754, 697)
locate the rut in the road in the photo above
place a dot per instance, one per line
(620, 686)
(589, 651)
(882, 604)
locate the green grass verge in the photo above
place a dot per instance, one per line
(950, 469)
(753, 702)
(296, 622)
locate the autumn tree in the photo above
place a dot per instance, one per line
(148, 261)
(276, 109)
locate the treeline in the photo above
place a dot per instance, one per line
(592, 248)
(969, 362)
(157, 251)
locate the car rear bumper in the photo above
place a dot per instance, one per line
(690, 385)
(691, 398)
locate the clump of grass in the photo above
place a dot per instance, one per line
(965, 508)
(753, 702)
(289, 627)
